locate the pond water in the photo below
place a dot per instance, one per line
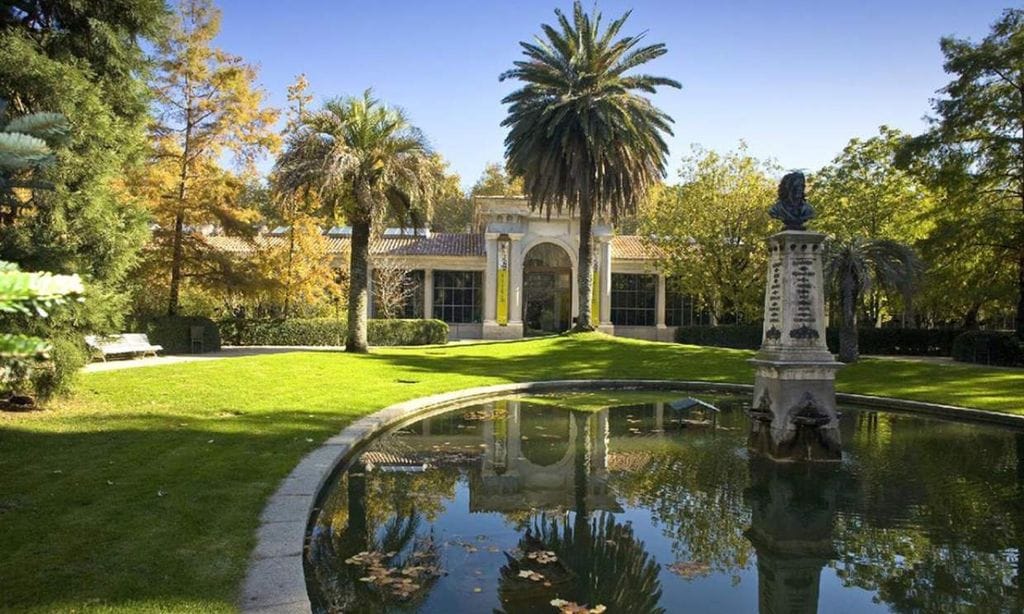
(636, 502)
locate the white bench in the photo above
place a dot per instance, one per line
(128, 343)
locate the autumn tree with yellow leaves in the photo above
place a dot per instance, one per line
(207, 107)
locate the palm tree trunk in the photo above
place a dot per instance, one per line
(848, 350)
(585, 273)
(357, 288)
(177, 257)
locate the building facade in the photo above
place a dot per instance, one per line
(516, 277)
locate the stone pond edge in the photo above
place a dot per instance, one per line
(275, 580)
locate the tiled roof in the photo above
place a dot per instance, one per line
(439, 244)
(633, 247)
(466, 245)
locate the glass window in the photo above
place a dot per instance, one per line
(458, 296)
(682, 309)
(405, 290)
(633, 299)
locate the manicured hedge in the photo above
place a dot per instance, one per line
(174, 333)
(739, 336)
(331, 331)
(407, 332)
(882, 341)
(989, 348)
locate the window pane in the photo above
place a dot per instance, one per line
(634, 298)
(458, 296)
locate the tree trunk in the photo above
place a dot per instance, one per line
(357, 288)
(585, 273)
(1020, 296)
(971, 317)
(177, 258)
(288, 279)
(848, 350)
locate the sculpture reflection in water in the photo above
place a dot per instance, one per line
(792, 511)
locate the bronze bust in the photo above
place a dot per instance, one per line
(792, 208)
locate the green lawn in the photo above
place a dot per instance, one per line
(144, 491)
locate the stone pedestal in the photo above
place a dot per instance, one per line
(794, 416)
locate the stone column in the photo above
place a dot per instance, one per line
(428, 293)
(605, 308)
(490, 277)
(659, 309)
(515, 294)
(794, 407)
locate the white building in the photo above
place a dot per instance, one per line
(518, 276)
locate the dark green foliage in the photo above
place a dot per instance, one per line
(67, 355)
(332, 331)
(174, 333)
(84, 60)
(877, 341)
(407, 332)
(975, 153)
(740, 336)
(988, 347)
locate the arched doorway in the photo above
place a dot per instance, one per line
(547, 290)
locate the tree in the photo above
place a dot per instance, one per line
(580, 135)
(976, 142)
(711, 229)
(364, 160)
(206, 106)
(26, 149)
(495, 181)
(84, 60)
(290, 206)
(392, 288)
(308, 278)
(453, 210)
(853, 267)
(862, 193)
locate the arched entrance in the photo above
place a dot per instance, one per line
(547, 290)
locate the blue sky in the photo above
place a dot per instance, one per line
(796, 80)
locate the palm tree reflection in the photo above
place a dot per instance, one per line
(584, 558)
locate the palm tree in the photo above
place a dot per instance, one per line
(854, 267)
(364, 161)
(579, 135)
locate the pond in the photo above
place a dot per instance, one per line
(650, 502)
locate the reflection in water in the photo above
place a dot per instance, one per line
(792, 507)
(508, 505)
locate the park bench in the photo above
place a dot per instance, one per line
(128, 343)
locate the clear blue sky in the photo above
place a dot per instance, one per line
(796, 80)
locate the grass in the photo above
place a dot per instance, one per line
(143, 492)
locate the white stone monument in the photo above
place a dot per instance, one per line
(793, 416)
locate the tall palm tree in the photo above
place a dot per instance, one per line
(580, 135)
(364, 161)
(854, 267)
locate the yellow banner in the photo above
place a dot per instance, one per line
(503, 296)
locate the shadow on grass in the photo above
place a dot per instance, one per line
(156, 514)
(573, 357)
